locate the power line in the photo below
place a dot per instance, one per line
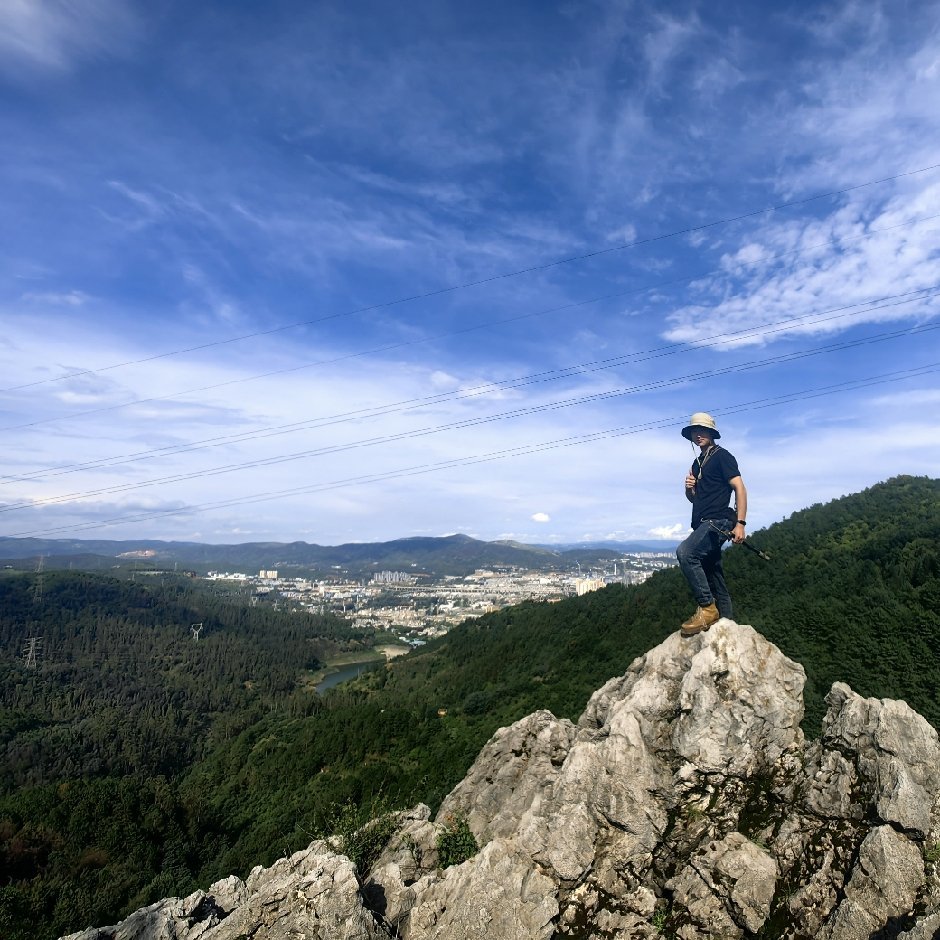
(525, 450)
(809, 320)
(486, 280)
(389, 347)
(699, 375)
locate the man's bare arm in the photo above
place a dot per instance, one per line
(740, 501)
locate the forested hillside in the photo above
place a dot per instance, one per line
(120, 704)
(852, 592)
(121, 685)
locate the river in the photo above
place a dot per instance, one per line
(346, 672)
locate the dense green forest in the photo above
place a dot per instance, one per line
(852, 592)
(123, 699)
(122, 686)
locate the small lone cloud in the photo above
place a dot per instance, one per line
(541, 517)
(624, 235)
(72, 298)
(444, 380)
(669, 531)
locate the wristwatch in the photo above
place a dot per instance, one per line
(741, 522)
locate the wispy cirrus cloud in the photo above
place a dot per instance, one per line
(72, 298)
(866, 106)
(55, 35)
(789, 270)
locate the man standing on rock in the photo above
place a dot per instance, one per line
(708, 487)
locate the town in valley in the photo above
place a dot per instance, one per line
(417, 606)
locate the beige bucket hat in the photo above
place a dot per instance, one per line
(700, 419)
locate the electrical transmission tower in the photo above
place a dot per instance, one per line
(32, 651)
(37, 590)
(196, 629)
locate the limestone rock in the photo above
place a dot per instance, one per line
(883, 886)
(313, 893)
(927, 928)
(410, 854)
(741, 703)
(684, 802)
(186, 918)
(726, 889)
(896, 755)
(517, 768)
(498, 893)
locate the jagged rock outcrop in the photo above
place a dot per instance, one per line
(685, 802)
(313, 894)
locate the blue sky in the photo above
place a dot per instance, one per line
(356, 271)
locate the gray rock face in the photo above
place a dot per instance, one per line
(499, 894)
(313, 894)
(683, 803)
(896, 755)
(883, 885)
(521, 765)
(727, 888)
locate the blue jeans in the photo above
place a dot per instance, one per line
(700, 560)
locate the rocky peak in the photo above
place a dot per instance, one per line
(685, 802)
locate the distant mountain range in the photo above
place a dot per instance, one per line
(448, 555)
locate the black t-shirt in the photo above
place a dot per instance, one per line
(712, 472)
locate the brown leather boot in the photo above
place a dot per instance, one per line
(701, 620)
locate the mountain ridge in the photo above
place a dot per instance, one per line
(451, 554)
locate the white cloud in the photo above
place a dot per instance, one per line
(138, 209)
(747, 255)
(623, 235)
(72, 298)
(856, 257)
(718, 76)
(54, 34)
(673, 532)
(541, 517)
(664, 42)
(857, 119)
(443, 380)
(907, 402)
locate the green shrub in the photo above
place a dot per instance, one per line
(362, 840)
(456, 843)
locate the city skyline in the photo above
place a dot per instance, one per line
(342, 273)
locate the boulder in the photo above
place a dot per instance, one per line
(883, 886)
(895, 753)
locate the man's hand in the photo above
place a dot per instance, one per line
(689, 481)
(738, 534)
